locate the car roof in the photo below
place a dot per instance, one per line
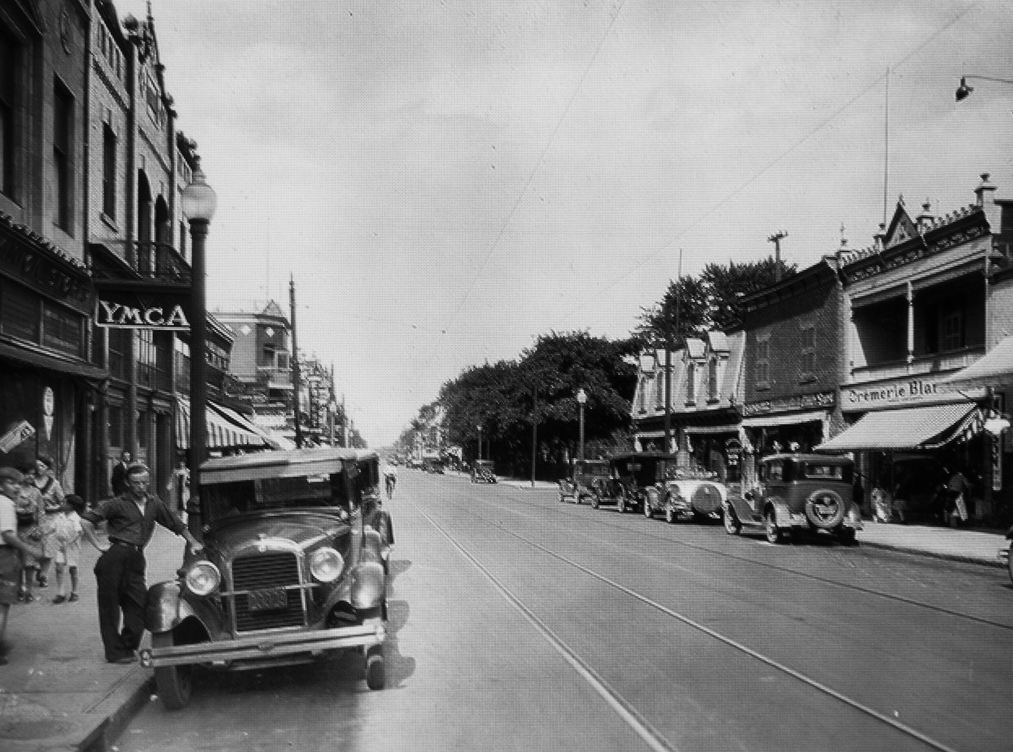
(289, 463)
(825, 459)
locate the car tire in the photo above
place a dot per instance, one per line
(731, 521)
(824, 509)
(174, 684)
(376, 674)
(770, 529)
(595, 500)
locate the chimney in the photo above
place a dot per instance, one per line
(985, 187)
(926, 218)
(880, 238)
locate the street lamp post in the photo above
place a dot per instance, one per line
(198, 203)
(581, 401)
(479, 427)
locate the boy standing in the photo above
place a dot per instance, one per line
(11, 546)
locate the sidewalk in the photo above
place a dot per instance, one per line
(57, 692)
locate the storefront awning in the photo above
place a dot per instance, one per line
(994, 368)
(928, 427)
(702, 430)
(785, 419)
(52, 363)
(222, 432)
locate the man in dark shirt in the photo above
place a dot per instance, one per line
(130, 521)
(119, 478)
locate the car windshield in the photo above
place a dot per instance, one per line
(596, 470)
(831, 472)
(263, 494)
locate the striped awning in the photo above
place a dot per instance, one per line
(928, 427)
(226, 428)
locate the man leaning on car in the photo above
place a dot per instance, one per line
(130, 521)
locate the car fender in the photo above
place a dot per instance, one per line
(743, 511)
(652, 498)
(782, 512)
(166, 609)
(368, 586)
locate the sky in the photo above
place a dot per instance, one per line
(445, 180)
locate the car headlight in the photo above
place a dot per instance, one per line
(203, 578)
(326, 564)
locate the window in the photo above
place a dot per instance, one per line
(9, 71)
(762, 362)
(63, 155)
(690, 383)
(146, 356)
(62, 330)
(108, 171)
(712, 379)
(951, 327)
(19, 312)
(119, 346)
(807, 358)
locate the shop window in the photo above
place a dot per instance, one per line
(62, 330)
(108, 171)
(9, 80)
(19, 312)
(63, 155)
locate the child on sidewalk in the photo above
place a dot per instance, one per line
(68, 550)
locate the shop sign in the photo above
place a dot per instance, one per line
(899, 392)
(44, 275)
(819, 400)
(16, 434)
(733, 451)
(123, 315)
(48, 408)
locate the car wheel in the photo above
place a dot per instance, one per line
(595, 500)
(731, 521)
(376, 675)
(648, 509)
(173, 683)
(847, 536)
(824, 509)
(770, 528)
(669, 515)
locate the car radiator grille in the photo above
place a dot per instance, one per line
(262, 572)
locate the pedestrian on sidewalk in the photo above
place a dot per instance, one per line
(956, 509)
(52, 503)
(28, 505)
(68, 552)
(130, 521)
(118, 481)
(11, 546)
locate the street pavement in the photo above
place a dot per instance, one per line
(57, 692)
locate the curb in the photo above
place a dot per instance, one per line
(996, 564)
(123, 704)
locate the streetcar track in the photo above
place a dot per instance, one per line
(787, 570)
(637, 722)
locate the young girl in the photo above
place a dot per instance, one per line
(68, 549)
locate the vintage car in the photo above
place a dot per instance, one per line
(691, 494)
(483, 472)
(797, 494)
(295, 564)
(632, 477)
(581, 481)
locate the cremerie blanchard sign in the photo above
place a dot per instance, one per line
(904, 392)
(130, 310)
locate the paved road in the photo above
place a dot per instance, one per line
(524, 624)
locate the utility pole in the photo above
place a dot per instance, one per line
(296, 380)
(344, 423)
(776, 239)
(669, 344)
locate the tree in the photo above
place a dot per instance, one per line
(726, 284)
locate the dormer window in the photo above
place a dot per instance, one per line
(712, 380)
(690, 383)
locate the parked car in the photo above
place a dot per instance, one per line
(483, 471)
(692, 494)
(580, 483)
(1004, 554)
(797, 494)
(631, 478)
(295, 563)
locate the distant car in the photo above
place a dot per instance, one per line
(692, 494)
(797, 494)
(295, 564)
(483, 471)
(580, 483)
(632, 477)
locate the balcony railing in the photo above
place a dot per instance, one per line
(924, 364)
(147, 260)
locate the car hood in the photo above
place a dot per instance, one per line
(304, 530)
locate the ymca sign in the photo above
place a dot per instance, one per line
(119, 316)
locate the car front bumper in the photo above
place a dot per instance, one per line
(261, 646)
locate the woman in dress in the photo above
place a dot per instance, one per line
(52, 505)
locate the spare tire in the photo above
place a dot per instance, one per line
(706, 499)
(824, 509)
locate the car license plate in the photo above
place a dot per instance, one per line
(270, 599)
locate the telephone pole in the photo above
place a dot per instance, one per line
(296, 379)
(776, 239)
